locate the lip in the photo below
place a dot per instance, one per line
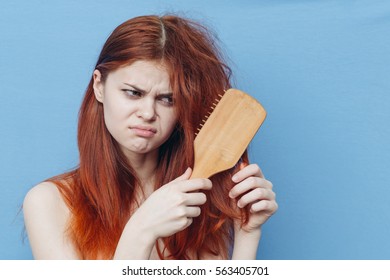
(143, 130)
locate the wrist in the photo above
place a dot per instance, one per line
(140, 229)
(136, 241)
(253, 234)
(246, 244)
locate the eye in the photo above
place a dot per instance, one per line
(132, 93)
(166, 99)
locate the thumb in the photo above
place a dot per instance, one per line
(185, 176)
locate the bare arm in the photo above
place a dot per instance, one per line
(245, 244)
(254, 191)
(45, 216)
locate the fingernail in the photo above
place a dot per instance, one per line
(234, 178)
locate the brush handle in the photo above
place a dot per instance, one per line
(201, 169)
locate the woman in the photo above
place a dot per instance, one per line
(131, 196)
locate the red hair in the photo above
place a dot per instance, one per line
(100, 192)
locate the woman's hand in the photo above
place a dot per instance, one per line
(172, 207)
(254, 191)
(166, 211)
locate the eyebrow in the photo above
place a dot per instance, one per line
(135, 87)
(144, 91)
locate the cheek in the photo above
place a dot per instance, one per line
(167, 124)
(171, 123)
(114, 116)
(109, 121)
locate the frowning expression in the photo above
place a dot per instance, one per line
(138, 105)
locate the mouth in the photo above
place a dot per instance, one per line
(143, 131)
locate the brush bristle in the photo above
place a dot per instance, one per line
(215, 103)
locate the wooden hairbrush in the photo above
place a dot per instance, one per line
(226, 133)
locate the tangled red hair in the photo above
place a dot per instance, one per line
(100, 192)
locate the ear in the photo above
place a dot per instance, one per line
(98, 86)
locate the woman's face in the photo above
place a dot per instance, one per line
(138, 106)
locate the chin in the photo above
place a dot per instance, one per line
(141, 149)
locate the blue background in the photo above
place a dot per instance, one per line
(320, 68)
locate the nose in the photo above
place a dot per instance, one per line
(146, 109)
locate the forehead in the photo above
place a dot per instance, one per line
(144, 74)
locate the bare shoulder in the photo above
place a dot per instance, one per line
(46, 219)
(45, 195)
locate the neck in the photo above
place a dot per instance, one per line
(144, 166)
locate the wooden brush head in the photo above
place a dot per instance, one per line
(227, 133)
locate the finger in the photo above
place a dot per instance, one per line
(195, 198)
(185, 176)
(264, 205)
(255, 195)
(189, 222)
(196, 184)
(248, 184)
(193, 212)
(247, 171)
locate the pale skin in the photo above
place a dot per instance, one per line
(139, 114)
